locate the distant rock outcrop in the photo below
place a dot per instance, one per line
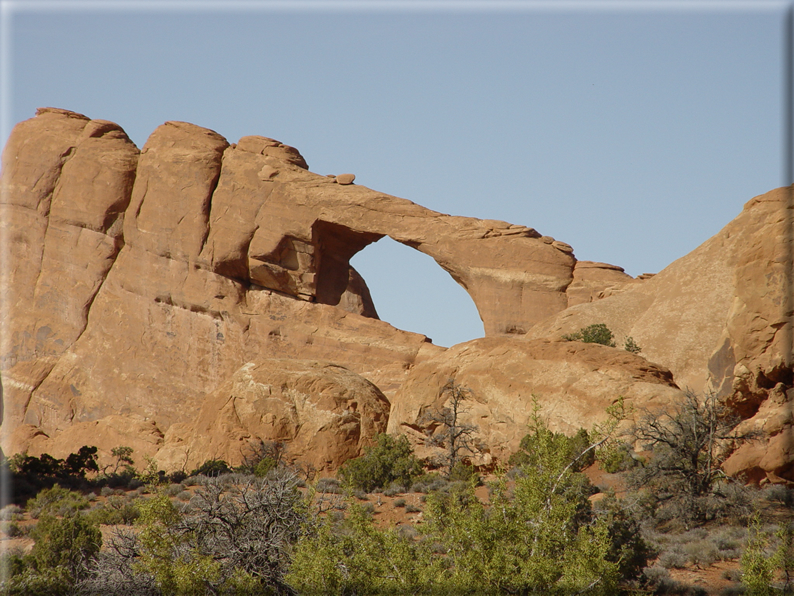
(195, 296)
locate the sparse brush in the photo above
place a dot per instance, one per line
(674, 557)
(702, 553)
(329, 485)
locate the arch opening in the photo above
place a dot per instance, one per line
(412, 292)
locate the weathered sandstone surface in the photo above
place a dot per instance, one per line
(324, 413)
(196, 296)
(721, 319)
(571, 383)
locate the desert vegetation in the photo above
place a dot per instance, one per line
(547, 522)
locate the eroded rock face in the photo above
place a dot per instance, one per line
(66, 183)
(721, 319)
(324, 413)
(593, 281)
(572, 382)
(141, 281)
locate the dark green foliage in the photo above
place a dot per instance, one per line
(30, 474)
(619, 458)
(390, 460)
(598, 333)
(463, 472)
(631, 346)
(68, 542)
(212, 468)
(627, 547)
(59, 559)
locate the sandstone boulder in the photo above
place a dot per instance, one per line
(572, 383)
(324, 413)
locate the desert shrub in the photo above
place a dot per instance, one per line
(116, 511)
(571, 448)
(412, 509)
(598, 333)
(429, 482)
(539, 535)
(390, 460)
(184, 496)
(778, 493)
(393, 489)
(11, 529)
(62, 551)
(56, 501)
(631, 346)
(675, 557)
(261, 457)
(655, 574)
(212, 468)
(620, 458)
(627, 547)
(463, 472)
(67, 543)
(11, 512)
(173, 490)
(702, 553)
(683, 475)
(233, 538)
(329, 485)
(399, 503)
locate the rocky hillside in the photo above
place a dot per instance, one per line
(194, 296)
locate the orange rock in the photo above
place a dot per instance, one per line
(572, 382)
(325, 414)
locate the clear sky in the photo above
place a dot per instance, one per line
(633, 131)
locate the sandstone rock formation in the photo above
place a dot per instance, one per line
(572, 384)
(140, 282)
(151, 296)
(721, 319)
(324, 413)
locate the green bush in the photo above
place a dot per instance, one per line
(631, 346)
(56, 501)
(116, 511)
(598, 333)
(574, 448)
(61, 556)
(390, 460)
(463, 472)
(538, 536)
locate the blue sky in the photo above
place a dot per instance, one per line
(633, 131)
